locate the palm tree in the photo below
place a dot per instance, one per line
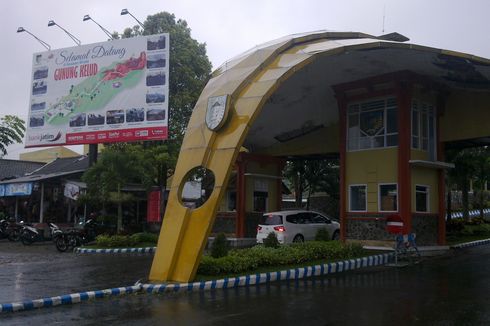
(11, 131)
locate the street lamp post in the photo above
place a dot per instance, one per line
(46, 45)
(87, 17)
(76, 40)
(126, 12)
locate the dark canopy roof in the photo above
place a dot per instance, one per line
(10, 169)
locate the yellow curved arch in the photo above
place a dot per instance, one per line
(249, 80)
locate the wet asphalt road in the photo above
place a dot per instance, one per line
(450, 290)
(39, 270)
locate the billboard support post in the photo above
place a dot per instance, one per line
(92, 154)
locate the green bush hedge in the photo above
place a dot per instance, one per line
(243, 260)
(114, 241)
(220, 247)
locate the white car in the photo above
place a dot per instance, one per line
(296, 226)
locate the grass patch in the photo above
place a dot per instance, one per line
(460, 231)
(452, 240)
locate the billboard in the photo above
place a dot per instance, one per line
(113, 91)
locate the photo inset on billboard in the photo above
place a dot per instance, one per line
(38, 106)
(41, 73)
(155, 114)
(155, 78)
(135, 115)
(155, 95)
(39, 87)
(36, 120)
(78, 120)
(95, 119)
(156, 42)
(114, 117)
(156, 60)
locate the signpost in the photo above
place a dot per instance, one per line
(115, 91)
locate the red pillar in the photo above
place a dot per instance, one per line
(280, 167)
(441, 232)
(241, 198)
(342, 151)
(404, 99)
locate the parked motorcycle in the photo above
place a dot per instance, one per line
(55, 231)
(29, 234)
(13, 231)
(76, 237)
(3, 229)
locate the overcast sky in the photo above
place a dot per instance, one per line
(229, 28)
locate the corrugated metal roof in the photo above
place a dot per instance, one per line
(10, 169)
(62, 165)
(57, 168)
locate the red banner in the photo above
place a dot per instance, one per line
(120, 135)
(153, 207)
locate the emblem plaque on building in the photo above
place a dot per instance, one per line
(217, 112)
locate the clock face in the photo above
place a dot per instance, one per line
(216, 112)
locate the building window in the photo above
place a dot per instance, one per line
(357, 198)
(260, 201)
(424, 128)
(388, 197)
(421, 198)
(231, 201)
(372, 124)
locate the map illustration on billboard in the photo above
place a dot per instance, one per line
(112, 91)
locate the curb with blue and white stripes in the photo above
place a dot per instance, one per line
(146, 250)
(68, 298)
(472, 244)
(261, 278)
(239, 281)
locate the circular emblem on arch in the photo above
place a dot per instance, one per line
(217, 111)
(197, 187)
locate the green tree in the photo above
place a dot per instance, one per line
(470, 164)
(189, 68)
(310, 176)
(462, 174)
(481, 162)
(117, 166)
(11, 131)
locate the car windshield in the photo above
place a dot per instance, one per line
(270, 219)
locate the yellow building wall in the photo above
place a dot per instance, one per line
(48, 154)
(264, 169)
(371, 167)
(419, 155)
(467, 116)
(100, 147)
(426, 177)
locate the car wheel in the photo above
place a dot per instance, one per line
(336, 235)
(298, 238)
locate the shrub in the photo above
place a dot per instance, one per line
(225, 265)
(144, 237)
(102, 240)
(271, 241)
(243, 260)
(455, 225)
(220, 247)
(322, 235)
